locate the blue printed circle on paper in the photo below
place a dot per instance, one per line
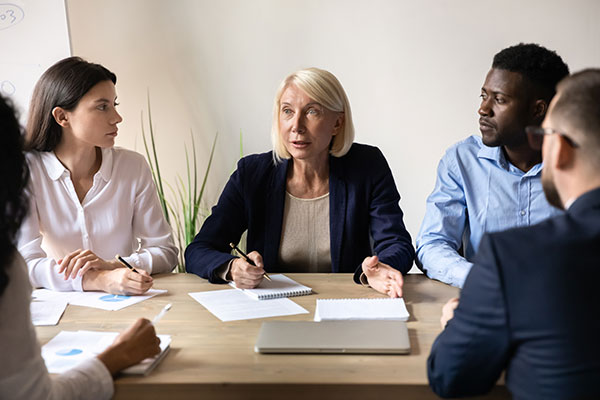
(111, 298)
(69, 352)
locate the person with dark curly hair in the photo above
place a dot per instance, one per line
(491, 183)
(89, 199)
(23, 374)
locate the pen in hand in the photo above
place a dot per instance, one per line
(245, 257)
(161, 314)
(125, 263)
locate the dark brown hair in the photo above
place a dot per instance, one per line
(62, 85)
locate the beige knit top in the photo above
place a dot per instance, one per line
(305, 245)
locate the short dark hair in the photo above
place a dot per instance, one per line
(62, 85)
(579, 105)
(15, 175)
(540, 66)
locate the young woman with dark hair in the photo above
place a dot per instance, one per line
(89, 200)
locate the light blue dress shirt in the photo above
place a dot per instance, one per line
(477, 190)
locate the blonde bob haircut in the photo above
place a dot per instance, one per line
(323, 87)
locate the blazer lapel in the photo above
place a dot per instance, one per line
(274, 215)
(337, 210)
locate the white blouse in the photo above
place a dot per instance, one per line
(120, 214)
(23, 374)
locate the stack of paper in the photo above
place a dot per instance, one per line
(361, 309)
(67, 349)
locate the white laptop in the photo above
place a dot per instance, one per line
(337, 337)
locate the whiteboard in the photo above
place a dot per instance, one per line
(34, 34)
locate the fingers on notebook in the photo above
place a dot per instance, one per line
(245, 275)
(133, 345)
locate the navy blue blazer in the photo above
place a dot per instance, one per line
(530, 305)
(363, 207)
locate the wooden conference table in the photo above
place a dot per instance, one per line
(210, 359)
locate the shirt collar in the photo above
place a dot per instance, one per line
(107, 164)
(497, 155)
(55, 169)
(53, 166)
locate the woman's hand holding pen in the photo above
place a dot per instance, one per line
(246, 275)
(117, 281)
(382, 277)
(81, 261)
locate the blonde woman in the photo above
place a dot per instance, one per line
(317, 203)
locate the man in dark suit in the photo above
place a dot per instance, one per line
(530, 304)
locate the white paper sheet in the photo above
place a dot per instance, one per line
(67, 349)
(47, 312)
(361, 309)
(233, 305)
(102, 300)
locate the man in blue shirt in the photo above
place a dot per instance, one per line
(529, 305)
(491, 183)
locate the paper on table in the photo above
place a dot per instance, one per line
(67, 349)
(47, 312)
(233, 305)
(360, 309)
(102, 300)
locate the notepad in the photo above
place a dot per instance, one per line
(279, 286)
(361, 309)
(68, 349)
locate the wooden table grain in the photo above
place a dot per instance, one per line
(210, 359)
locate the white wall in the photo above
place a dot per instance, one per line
(412, 69)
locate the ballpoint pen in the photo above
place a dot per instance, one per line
(125, 263)
(245, 257)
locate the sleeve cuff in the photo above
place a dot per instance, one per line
(222, 271)
(363, 280)
(77, 283)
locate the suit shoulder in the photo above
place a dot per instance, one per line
(539, 238)
(360, 152)
(257, 164)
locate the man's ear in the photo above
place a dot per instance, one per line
(60, 116)
(565, 153)
(540, 107)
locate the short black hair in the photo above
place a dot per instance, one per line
(15, 175)
(542, 67)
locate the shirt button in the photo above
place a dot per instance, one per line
(523, 212)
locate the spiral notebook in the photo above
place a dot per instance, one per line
(361, 309)
(279, 286)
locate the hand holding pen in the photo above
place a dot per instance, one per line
(248, 271)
